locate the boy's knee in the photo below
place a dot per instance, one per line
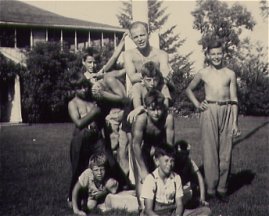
(91, 204)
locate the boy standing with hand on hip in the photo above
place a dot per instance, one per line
(219, 114)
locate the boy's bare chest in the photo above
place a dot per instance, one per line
(216, 79)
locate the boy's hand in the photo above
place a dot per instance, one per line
(202, 106)
(132, 115)
(204, 203)
(79, 212)
(235, 131)
(112, 185)
(97, 91)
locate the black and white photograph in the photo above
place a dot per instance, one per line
(134, 107)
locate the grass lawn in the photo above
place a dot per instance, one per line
(35, 168)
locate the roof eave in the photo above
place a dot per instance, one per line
(64, 26)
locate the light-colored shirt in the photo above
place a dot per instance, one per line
(155, 188)
(86, 180)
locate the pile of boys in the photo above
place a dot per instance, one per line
(124, 141)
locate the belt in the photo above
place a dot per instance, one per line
(221, 103)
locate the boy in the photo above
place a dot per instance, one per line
(109, 93)
(189, 174)
(218, 123)
(95, 182)
(150, 130)
(162, 190)
(151, 79)
(87, 138)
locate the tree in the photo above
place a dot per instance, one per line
(215, 20)
(45, 83)
(251, 65)
(169, 42)
(264, 8)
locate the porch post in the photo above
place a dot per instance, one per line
(15, 38)
(61, 40)
(76, 41)
(15, 115)
(47, 35)
(102, 39)
(31, 39)
(89, 39)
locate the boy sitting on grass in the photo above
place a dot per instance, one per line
(162, 189)
(95, 182)
(192, 180)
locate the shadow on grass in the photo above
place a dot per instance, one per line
(238, 180)
(240, 139)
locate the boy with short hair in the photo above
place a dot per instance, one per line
(87, 137)
(150, 130)
(162, 189)
(219, 119)
(95, 182)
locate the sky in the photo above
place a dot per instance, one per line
(180, 14)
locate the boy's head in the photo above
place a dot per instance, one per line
(165, 158)
(139, 34)
(214, 53)
(150, 75)
(80, 85)
(183, 149)
(97, 164)
(154, 104)
(89, 58)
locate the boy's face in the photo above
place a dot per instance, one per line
(166, 164)
(215, 56)
(155, 112)
(89, 64)
(98, 172)
(82, 91)
(150, 82)
(140, 36)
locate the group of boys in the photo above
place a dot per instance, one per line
(146, 139)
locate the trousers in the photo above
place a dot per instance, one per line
(216, 138)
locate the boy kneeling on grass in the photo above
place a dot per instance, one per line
(191, 178)
(162, 189)
(95, 182)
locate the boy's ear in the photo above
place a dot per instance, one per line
(156, 161)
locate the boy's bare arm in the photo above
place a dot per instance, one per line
(170, 130)
(138, 131)
(115, 54)
(202, 188)
(75, 193)
(189, 92)
(149, 203)
(87, 119)
(164, 64)
(179, 206)
(233, 96)
(130, 68)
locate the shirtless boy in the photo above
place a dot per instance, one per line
(219, 114)
(150, 129)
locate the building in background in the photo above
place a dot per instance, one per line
(23, 25)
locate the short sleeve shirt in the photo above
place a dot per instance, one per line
(166, 193)
(86, 180)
